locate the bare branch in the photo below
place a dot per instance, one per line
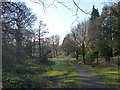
(52, 4)
(80, 8)
(42, 3)
(66, 4)
(62, 3)
(77, 13)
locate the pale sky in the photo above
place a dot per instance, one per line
(59, 20)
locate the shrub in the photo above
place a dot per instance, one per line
(116, 60)
(19, 69)
(28, 81)
(10, 81)
(13, 80)
(90, 58)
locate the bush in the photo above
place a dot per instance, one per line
(90, 58)
(13, 80)
(116, 60)
(10, 81)
(106, 52)
(19, 69)
(50, 55)
(28, 81)
(26, 75)
(8, 57)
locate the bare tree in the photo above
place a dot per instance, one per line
(54, 41)
(78, 35)
(41, 32)
(83, 32)
(16, 19)
(75, 37)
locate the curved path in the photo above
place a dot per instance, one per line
(88, 80)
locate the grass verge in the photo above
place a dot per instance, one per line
(63, 75)
(109, 75)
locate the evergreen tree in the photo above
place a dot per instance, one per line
(94, 13)
(94, 31)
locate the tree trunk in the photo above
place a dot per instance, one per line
(83, 52)
(56, 52)
(33, 48)
(77, 55)
(18, 38)
(83, 58)
(97, 59)
(39, 45)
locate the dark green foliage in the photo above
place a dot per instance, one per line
(90, 57)
(116, 60)
(103, 32)
(106, 53)
(26, 75)
(19, 69)
(44, 60)
(111, 27)
(7, 56)
(9, 81)
(68, 45)
(94, 13)
(12, 80)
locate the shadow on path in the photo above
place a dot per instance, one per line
(88, 80)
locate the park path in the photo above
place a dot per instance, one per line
(88, 80)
